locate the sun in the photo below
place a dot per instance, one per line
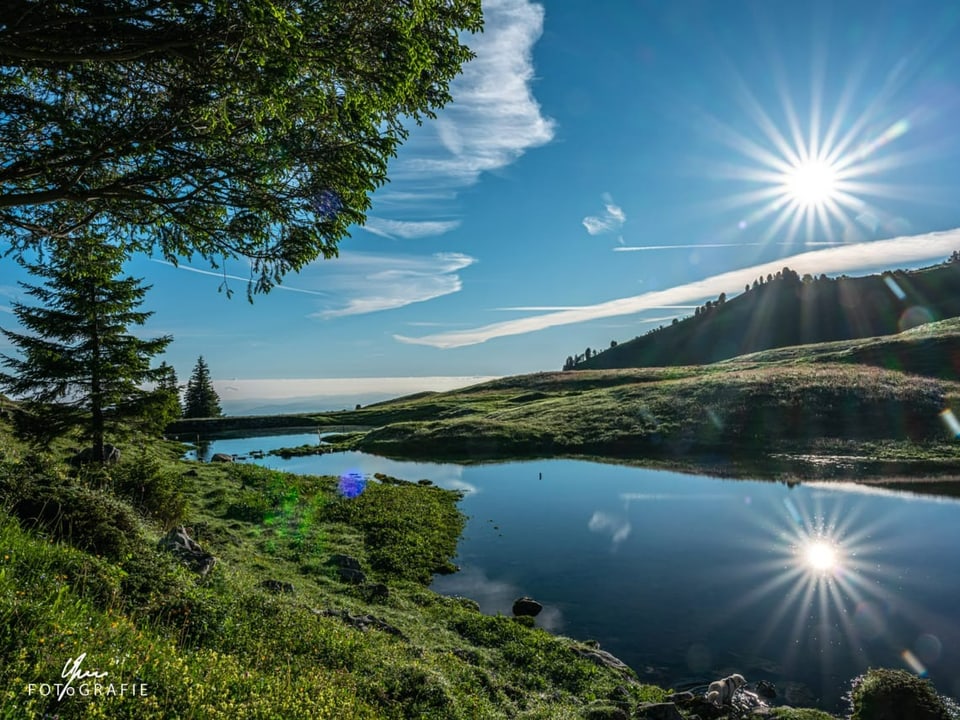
(820, 556)
(812, 184)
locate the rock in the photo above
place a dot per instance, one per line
(884, 694)
(354, 577)
(111, 456)
(604, 659)
(362, 622)
(276, 586)
(376, 592)
(526, 606)
(191, 473)
(468, 603)
(598, 711)
(658, 711)
(222, 457)
(681, 698)
(766, 689)
(179, 542)
(345, 561)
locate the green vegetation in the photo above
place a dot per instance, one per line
(868, 409)
(79, 364)
(787, 310)
(200, 399)
(273, 630)
(883, 694)
(215, 129)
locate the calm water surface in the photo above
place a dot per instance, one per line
(687, 578)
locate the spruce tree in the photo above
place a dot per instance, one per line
(201, 399)
(78, 364)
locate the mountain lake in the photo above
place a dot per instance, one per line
(688, 578)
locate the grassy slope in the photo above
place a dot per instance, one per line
(222, 646)
(875, 402)
(873, 405)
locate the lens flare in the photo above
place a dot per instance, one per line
(821, 556)
(811, 183)
(351, 484)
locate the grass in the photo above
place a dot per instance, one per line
(223, 645)
(861, 408)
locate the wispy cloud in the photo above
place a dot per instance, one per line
(6, 309)
(492, 121)
(365, 283)
(408, 229)
(635, 248)
(553, 308)
(862, 256)
(228, 276)
(358, 283)
(610, 220)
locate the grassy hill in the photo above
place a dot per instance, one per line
(875, 405)
(866, 407)
(787, 311)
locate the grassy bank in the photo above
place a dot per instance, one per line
(862, 408)
(317, 606)
(80, 572)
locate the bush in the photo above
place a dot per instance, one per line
(91, 520)
(153, 489)
(895, 695)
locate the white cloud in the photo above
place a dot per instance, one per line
(6, 309)
(408, 229)
(635, 248)
(493, 118)
(848, 258)
(365, 283)
(617, 527)
(611, 220)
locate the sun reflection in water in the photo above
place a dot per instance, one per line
(821, 591)
(821, 556)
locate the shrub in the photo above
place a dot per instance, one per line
(895, 695)
(153, 489)
(91, 520)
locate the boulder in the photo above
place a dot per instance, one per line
(603, 659)
(766, 689)
(222, 457)
(354, 577)
(345, 561)
(277, 586)
(526, 606)
(111, 456)
(884, 694)
(658, 711)
(179, 542)
(376, 592)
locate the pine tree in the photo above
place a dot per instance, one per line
(201, 399)
(79, 366)
(162, 405)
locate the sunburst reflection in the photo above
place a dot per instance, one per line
(825, 586)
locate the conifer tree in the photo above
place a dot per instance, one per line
(78, 364)
(201, 399)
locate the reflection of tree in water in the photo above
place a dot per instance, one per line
(202, 449)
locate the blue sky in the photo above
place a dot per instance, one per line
(604, 167)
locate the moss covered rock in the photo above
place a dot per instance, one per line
(895, 695)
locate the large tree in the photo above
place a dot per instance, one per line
(227, 128)
(200, 399)
(78, 363)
